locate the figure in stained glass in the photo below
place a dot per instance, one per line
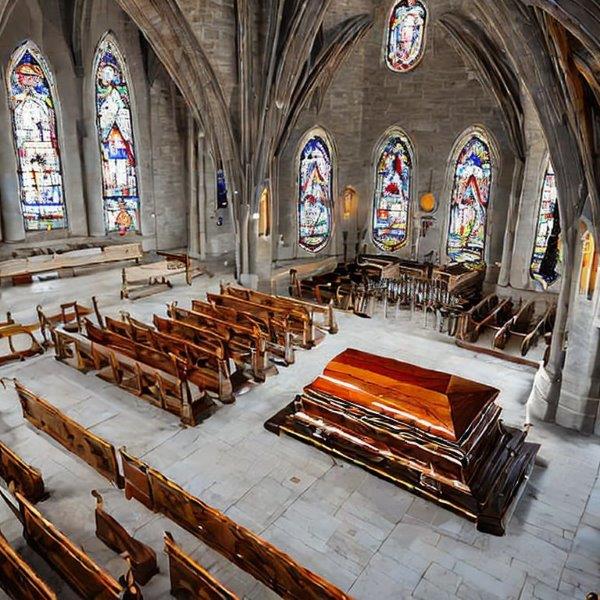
(315, 193)
(117, 148)
(406, 36)
(470, 200)
(546, 249)
(31, 97)
(392, 195)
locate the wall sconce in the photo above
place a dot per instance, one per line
(348, 201)
(428, 203)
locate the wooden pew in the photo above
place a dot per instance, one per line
(281, 320)
(21, 270)
(27, 480)
(173, 393)
(191, 580)
(469, 322)
(18, 579)
(328, 323)
(247, 345)
(279, 341)
(141, 557)
(78, 570)
(517, 325)
(17, 342)
(206, 360)
(540, 327)
(249, 552)
(95, 451)
(70, 317)
(153, 278)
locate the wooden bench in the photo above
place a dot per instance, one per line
(470, 322)
(27, 480)
(74, 566)
(95, 451)
(169, 390)
(281, 321)
(328, 323)
(141, 557)
(22, 270)
(17, 341)
(191, 580)
(145, 280)
(247, 345)
(279, 341)
(206, 360)
(263, 561)
(18, 579)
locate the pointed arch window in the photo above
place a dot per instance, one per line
(546, 248)
(315, 191)
(120, 190)
(470, 201)
(32, 94)
(406, 35)
(393, 189)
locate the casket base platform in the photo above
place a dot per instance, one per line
(437, 435)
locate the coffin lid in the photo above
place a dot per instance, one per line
(439, 403)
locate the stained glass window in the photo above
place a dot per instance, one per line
(406, 35)
(545, 252)
(392, 194)
(31, 96)
(315, 194)
(117, 148)
(470, 200)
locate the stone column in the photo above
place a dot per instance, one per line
(579, 401)
(192, 188)
(511, 223)
(201, 197)
(13, 227)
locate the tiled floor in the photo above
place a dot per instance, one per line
(365, 535)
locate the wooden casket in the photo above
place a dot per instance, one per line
(436, 434)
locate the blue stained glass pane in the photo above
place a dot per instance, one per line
(545, 252)
(470, 200)
(315, 195)
(39, 166)
(117, 146)
(406, 36)
(392, 195)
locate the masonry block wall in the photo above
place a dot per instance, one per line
(434, 104)
(157, 113)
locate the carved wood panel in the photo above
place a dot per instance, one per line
(191, 580)
(18, 579)
(95, 451)
(27, 480)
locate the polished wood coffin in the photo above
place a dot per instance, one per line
(436, 434)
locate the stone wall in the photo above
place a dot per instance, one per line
(434, 104)
(157, 115)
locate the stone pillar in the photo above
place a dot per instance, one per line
(13, 227)
(511, 223)
(201, 197)
(579, 401)
(193, 249)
